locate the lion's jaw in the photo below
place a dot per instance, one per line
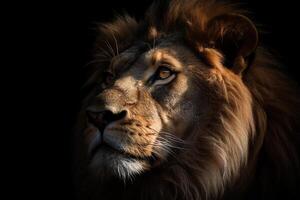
(108, 156)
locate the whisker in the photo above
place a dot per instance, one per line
(173, 138)
(105, 52)
(170, 136)
(101, 55)
(116, 43)
(110, 48)
(165, 142)
(95, 62)
(153, 43)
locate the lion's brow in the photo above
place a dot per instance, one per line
(136, 49)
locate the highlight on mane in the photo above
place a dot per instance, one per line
(250, 149)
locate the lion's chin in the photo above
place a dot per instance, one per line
(107, 162)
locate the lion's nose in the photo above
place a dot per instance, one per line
(103, 118)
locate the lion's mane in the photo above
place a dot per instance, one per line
(256, 134)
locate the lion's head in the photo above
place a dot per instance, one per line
(175, 106)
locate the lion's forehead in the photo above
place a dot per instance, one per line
(145, 53)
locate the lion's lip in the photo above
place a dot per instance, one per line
(153, 160)
(103, 146)
(107, 147)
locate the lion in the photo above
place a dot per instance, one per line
(186, 105)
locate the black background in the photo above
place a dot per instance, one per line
(61, 37)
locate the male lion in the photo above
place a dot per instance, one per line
(185, 105)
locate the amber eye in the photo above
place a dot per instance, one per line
(162, 76)
(163, 73)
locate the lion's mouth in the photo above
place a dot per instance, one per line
(99, 145)
(103, 146)
(107, 148)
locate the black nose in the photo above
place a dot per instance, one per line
(103, 118)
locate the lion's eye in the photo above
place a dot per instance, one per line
(163, 75)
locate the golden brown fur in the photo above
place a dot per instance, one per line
(249, 145)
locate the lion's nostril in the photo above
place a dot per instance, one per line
(103, 118)
(109, 116)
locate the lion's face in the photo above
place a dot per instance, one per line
(145, 108)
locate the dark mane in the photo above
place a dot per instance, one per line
(277, 113)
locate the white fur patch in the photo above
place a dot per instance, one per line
(125, 168)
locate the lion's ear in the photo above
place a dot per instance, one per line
(236, 37)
